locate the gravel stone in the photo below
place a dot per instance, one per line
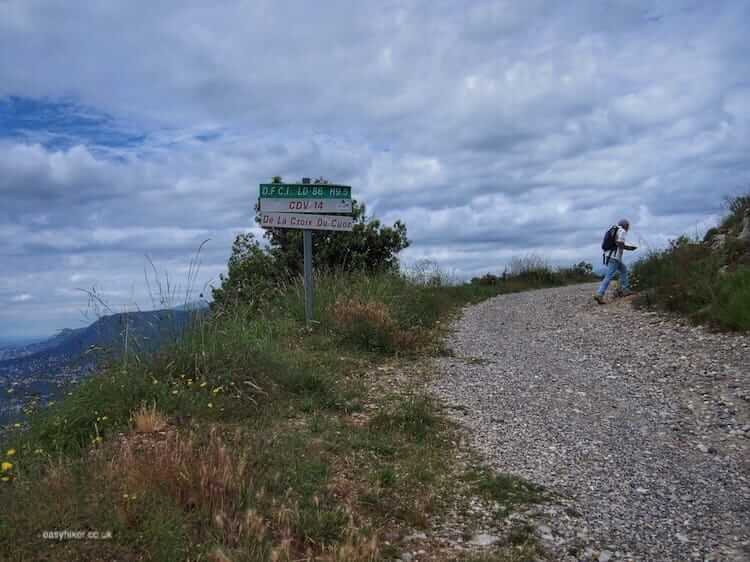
(484, 539)
(635, 420)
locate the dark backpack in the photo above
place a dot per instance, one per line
(610, 239)
(609, 243)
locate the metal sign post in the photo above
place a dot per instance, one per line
(307, 245)
(306, 206)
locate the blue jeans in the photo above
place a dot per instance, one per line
(615, 266)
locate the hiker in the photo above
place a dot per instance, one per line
(614, 246)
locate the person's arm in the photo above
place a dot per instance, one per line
(621, 241)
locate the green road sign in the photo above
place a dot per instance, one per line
(304, 191)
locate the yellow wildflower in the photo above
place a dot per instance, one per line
(104, 418)
(216, 390)
(210, 405)
(16, 425)
(10, 452)
(6, 466)
(4, 478)
(204, 383)
(175, 391)
(39, 451)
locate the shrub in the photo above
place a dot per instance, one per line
(528, 265)
(737, 207)
(487, 280)
(732, 304)
(682, 277)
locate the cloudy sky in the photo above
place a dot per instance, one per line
(492, 128)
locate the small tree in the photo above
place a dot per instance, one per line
(370, 246)
(251, 273)
(253, 270)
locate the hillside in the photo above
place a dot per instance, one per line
(707, 279)
(34, 374)
(143, 331)
(256, 438)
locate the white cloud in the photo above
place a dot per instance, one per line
(491, 129)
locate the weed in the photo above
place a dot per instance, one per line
(506, 489)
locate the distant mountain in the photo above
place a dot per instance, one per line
(42, 370)
(139, 331)
(194, 305)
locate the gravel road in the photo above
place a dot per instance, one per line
(639, 423)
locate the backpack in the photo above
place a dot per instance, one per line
(609, 243)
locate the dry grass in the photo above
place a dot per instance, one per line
(351, 311)
(147, 419)
(370, 325)
(212, 476)
(196, 475)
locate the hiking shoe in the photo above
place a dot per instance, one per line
(599, 299)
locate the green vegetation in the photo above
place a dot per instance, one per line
(533, 271)
(709, 280)
(256, 437)
(256, 272)
(505, 489)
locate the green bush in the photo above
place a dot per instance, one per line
(255, 272)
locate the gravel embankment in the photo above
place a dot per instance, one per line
(640, 422)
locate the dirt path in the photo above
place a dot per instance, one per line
(641, 423)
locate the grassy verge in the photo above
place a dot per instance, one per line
(254, 439)
(707, 284)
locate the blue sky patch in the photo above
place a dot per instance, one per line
(60, 124)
